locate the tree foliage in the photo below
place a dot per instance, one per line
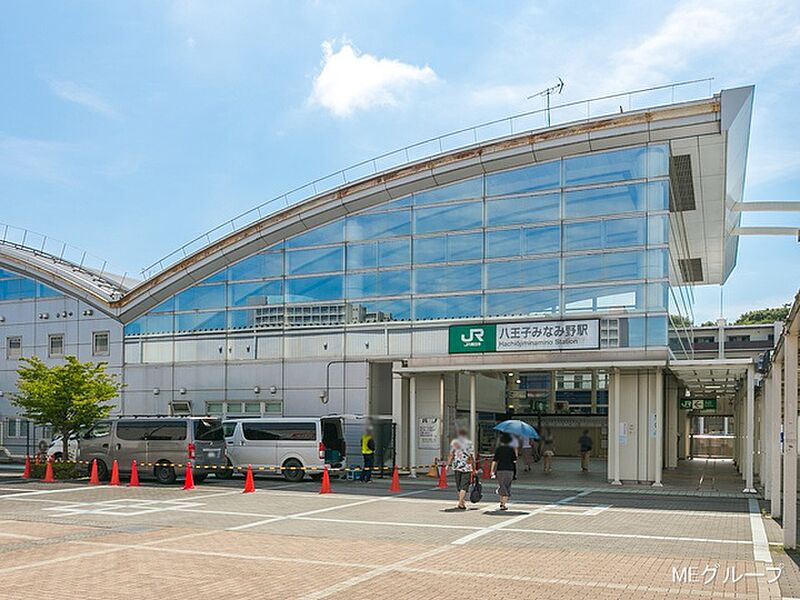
(763, 315)
(66, 396)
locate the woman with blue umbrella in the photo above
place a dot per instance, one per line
(505, 456)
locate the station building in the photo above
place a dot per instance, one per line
(545, 273)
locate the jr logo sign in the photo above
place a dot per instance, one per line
(472, 338)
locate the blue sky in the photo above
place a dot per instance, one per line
(128, 128)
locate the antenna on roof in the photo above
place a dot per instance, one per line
(556, 89)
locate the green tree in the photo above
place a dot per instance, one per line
(680, 321)
(66, 396)
(763, 315)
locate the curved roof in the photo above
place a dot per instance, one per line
(620, 130)
(90, 282)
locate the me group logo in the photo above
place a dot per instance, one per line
(472, 338)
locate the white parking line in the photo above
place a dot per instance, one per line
(43, 492)
(635, 536)
(321, 510)
(486, 530)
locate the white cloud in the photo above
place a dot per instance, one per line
(350, 80)
(72, 92)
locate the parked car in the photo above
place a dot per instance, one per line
(55, 450)
(291, 443)
(160, 441)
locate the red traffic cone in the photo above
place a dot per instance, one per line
(134, 482)
(443, 478)
(326, 482)
(487, 469)
(114, 473)
(26, 474)
(93, 478)
(48, 473)
(188, 481)
(249, 484)
(395, 487)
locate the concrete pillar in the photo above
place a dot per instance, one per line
(790, 441)
(473, 409)
(412, 425)
(613, 428)
(397, 417)
(775, 382)
(749, 430)
(442, 427)
(643, 426)
(671, 428)
(766, 434)
(659, 426)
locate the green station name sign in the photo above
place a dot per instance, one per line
(704, 404)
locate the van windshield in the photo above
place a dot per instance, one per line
(208, 430)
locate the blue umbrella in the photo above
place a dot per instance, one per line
(518, 428)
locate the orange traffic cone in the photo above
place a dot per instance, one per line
(395, 487)
(93, 478)
(249, 484)
(26, 474)
(433, 471)
(48, 473)
(188, 481)
(134, 482)
(443, 478)
(114, 473)
(487, 469)
(326, 482)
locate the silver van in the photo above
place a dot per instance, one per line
(291, 443)
(156, 441)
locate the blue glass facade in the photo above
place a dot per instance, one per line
(13, 287)
(587, 234)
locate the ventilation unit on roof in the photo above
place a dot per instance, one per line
(691, 269)
(681, 195)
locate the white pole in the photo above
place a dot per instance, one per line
(749, 431)
(412, 425)
(776, 379)
(615, 399)
(790, 441)
(766, 435)
(473, 408)
(659, 427)
(442, 428)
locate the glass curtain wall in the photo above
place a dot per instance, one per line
(14, 287)
(578, 236)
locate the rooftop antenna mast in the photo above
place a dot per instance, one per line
(556, 89)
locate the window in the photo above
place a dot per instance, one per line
(471, 188)
(101, 429)
(208, 430)
(180, 408)
(529, 179)
(280, 431)
(445, 307)
(17, 428)
(539, 302)
(318, 260)
(100, 344)
(604, 201)
(13, 346)
(522, 273)
(454, 278)
(451, 217)
(134, 432)
(527, 209)
(55, 345)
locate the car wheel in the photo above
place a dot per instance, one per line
(102, 470)
(164, 473)
(225, 472)
(293, 470)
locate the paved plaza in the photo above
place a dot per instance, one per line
(70, 540)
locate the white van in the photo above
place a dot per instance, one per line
(290, 443)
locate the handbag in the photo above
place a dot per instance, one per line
(476, 491)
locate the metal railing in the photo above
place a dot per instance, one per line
(580, 110)
(96, 269)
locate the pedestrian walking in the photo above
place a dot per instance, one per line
(461, 460)
(527, 453)
(503, 465)
(585, 444)
(548, 450)
(368, 455)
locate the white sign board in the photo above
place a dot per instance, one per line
(548, 335)
(428, 433)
